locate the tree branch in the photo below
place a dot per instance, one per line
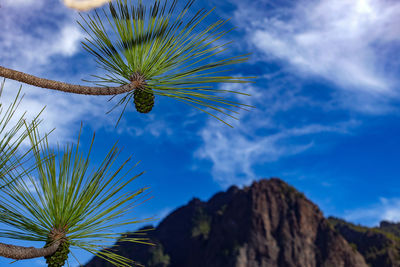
(65, 87)
(20, 253)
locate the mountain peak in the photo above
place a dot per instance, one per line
(268, 223)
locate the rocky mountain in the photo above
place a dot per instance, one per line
(266, 224)
(380, 246)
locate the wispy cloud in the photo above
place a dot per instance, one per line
(150, 124)
(386, 209)
(42, 39)
(33, 35)
(21, 3)
(259, 136)
(345, 42)
(62, 111)
(234, 153)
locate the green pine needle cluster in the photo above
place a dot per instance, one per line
(12, 133)
(176, 57)
(66, 196)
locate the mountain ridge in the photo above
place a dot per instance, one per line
(269, 223)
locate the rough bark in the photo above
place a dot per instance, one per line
(64, 87)
(21, 253)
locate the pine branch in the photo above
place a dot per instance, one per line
(64, 87)
(20, 252)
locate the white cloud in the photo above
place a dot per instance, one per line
(234, 153)
(385, 209)
(259, 137)
(21, 3)
(40, 40)
(33, 49)
(64, 112)
(67, 42)
(338, 40)
(157, 127)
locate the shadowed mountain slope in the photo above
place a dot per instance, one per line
(267, 224)
(380, 246)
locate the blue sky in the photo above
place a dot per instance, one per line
(326, 119)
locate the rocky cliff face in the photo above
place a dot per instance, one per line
(264, 225)
(380, 246)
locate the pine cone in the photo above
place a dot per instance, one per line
(142, 96)
(144, 100)
(58, 258)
